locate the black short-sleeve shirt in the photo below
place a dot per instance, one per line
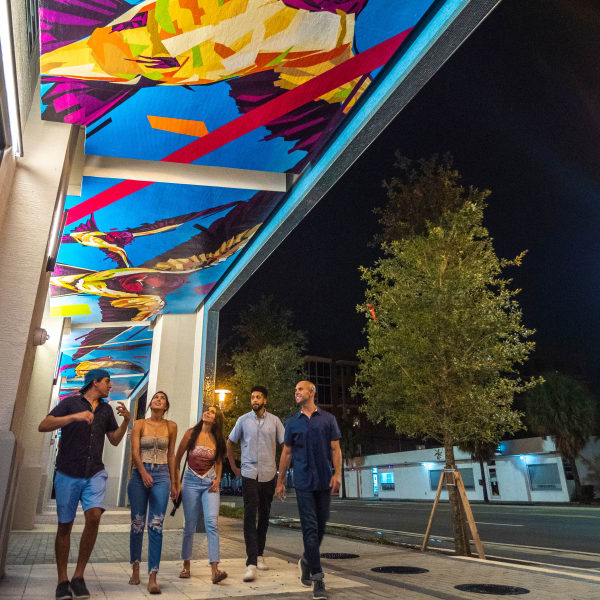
(310, 440)
(81, 444)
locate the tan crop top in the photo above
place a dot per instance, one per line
(154, 449)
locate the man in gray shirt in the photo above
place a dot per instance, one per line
(258, 432)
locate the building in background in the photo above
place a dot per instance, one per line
(524, 470)
(333, 379)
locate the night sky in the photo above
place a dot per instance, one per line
(518, 106)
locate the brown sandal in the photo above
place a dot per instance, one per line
(185, 574)
(219, 576)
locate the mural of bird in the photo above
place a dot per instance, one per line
(261, 48)
(102, 362)
(138, 293)
(112, 243)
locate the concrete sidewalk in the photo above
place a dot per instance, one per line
(31, 573)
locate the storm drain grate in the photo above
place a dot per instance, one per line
(338, 555)
(400, 570)
(490, 588)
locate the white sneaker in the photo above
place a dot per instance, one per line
(261, 565)
(250, 574)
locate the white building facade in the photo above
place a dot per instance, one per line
(526, 470)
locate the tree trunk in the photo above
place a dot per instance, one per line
(459, 526)
(483, 481)
(576, 480)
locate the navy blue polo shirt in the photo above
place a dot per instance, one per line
(81, 444)
(310, 440)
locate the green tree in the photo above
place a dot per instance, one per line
(270, 353)
(443, 352)
(421, 193)
(563, 408)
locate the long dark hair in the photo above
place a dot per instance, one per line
(217, 431)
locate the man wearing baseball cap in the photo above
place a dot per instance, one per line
(84, 419)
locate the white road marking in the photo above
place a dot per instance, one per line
(501, 524)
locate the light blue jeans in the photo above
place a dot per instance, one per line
(193, 492)
(141, 499)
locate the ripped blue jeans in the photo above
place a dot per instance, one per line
(155, 499)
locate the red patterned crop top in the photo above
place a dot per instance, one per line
(201, 459)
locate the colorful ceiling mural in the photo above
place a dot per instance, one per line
(123, 351)
(252, 84)
(159, 250)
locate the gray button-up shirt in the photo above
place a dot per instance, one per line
(258, 439)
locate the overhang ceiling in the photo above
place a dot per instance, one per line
(246, 94)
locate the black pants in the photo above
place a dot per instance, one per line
(258, 496)
(313, 508)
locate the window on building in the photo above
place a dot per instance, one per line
(544, 477)
(387, 481)
(466, 474)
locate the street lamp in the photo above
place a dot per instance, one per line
(221, 394)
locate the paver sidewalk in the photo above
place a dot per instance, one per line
(31, 573)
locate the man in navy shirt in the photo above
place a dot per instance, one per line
(83, 419)
(312, 441)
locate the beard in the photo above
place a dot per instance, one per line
(257, 408)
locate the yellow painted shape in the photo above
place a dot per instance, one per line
(70, 310)
(279, 22)
(184, 126)
(242, 42)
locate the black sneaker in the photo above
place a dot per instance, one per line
(303, 572)
(79, 588)
(63, 591)
(319, 591)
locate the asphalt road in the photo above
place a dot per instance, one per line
(561, 535)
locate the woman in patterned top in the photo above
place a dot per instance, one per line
(152, 480)
(205, 447)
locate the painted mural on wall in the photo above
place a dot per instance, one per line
(123, 351)
(252, 84)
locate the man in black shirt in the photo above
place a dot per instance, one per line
(83, 419)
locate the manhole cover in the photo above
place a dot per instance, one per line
(400, 570)
(338, 555)
(490, 588)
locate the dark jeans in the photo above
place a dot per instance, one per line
(314, 512)
(258, 496)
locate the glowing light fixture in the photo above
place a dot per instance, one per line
(9, 70)
(221, 395)
(429, 465)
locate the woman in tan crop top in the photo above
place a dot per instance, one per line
(205, 447)
(153, 479)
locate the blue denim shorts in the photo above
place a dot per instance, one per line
(71, 490)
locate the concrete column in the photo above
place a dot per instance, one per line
(32, 473)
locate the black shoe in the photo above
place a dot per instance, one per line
(63, 591)
(304, 572)
(319, 591)
(79, 588)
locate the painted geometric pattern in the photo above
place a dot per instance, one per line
(253, 84)
(123, 351)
